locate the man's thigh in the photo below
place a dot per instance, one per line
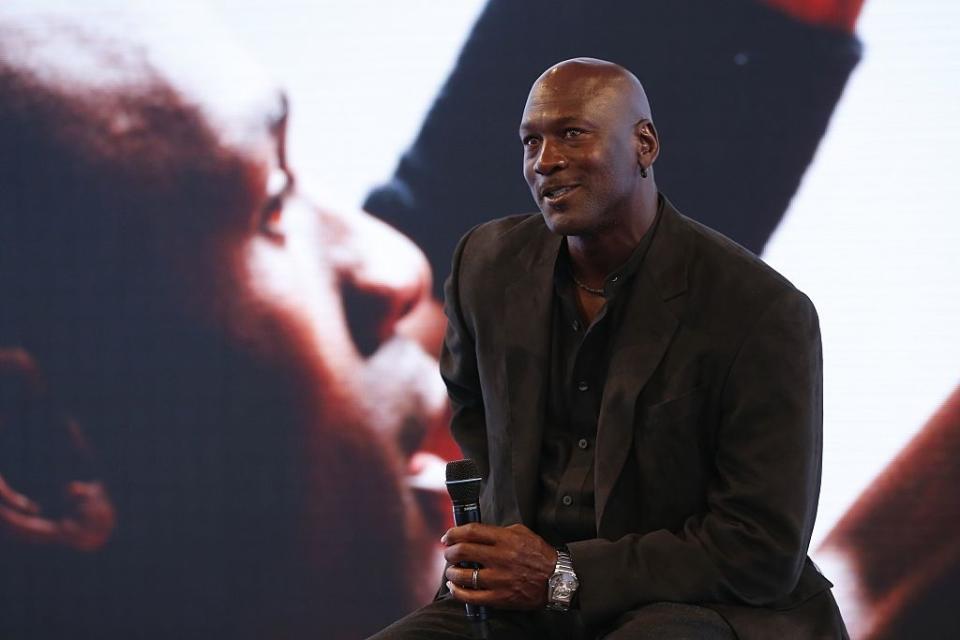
(670, 621)
(446, 620)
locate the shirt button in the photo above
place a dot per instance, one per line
(582, 385)
(576, 325)
(583, 443)
(567, 501)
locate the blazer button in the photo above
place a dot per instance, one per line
(567, 501)
(583, 443)
(582, 385)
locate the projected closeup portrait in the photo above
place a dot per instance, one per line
(173, 297)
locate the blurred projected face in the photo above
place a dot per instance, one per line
(353, 291)
(338, 300)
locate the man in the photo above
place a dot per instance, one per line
(642, 397)
(193, 433)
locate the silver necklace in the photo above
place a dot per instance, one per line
(596, 292)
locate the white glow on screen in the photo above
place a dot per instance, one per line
(873, 237)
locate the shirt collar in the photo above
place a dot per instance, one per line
(616, 279)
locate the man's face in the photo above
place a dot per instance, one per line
(579, 156)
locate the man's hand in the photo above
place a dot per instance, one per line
(516, 564)
(88, 516)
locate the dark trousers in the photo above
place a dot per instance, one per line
(445, 620)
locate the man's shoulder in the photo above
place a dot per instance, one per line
(491, 243)
(509, 230)
(722, 275)
(715, 256)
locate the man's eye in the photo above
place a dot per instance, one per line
(279, 185)
(531, 141)
(572, 132)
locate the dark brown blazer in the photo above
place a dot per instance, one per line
(709, 438)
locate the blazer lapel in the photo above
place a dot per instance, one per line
(526, 333)
(647, 328)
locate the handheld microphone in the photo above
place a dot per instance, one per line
(463, 485)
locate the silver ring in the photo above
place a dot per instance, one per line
(476, 577)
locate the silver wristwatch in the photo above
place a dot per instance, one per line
(563, 584)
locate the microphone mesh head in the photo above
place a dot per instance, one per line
(463, 480)
(465, 469)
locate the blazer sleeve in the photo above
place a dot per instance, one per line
(749, 546)
(458, 367)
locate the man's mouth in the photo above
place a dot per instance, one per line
(555, 193)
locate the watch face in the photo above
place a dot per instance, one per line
(563, 585)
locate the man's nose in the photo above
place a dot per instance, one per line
(549, 159)
(386, 286)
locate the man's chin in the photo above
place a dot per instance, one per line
(563, 222)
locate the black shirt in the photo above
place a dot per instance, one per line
(579, 356)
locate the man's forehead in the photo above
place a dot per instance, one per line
(544, 107)
(131, 49)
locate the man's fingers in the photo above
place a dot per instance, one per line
(88, 527)
(16, 499)
(469, 552)
(486, 578)
(461, 576)
(28, 528)
(473, 532)
(470, 596)
(498, 598)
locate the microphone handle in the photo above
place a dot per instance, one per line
(465, 514)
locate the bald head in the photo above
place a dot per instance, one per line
(580, 78)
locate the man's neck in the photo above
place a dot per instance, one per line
(595, 256)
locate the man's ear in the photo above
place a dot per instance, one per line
(647, 143)
(83, 517)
